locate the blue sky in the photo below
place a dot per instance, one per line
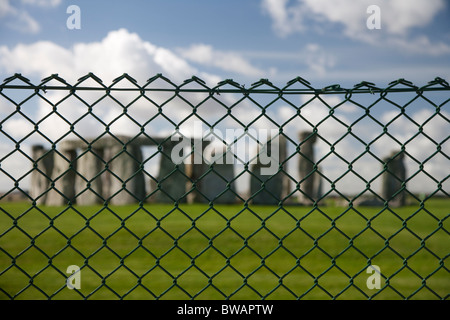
(323, 41)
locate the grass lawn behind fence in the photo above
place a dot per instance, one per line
(202, 252)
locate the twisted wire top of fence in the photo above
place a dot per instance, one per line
(400, 85)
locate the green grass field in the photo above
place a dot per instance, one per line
(202, 252)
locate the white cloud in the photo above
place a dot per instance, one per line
(318, 60)
(398, 17)
(25, 23)
(19, 19)
(16, 19)
(286, 20)
(228, 61)
(18, 128)
(41, 58)
(118, 53)
(401, 15)
(43, 3)
(398, 20)
(421, 45)
(6, 8)
(175, 67)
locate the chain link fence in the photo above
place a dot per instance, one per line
(166, 191)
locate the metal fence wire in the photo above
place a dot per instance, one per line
(167, 191)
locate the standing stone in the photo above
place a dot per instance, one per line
(42, 173)
(195, 172)
(393, 178)
(153, 188)
(89, 184)
(214, 184)
(127, 182)
(172, 179)
(269, 189)
(309, 179)
(318, 184)
(63, 177)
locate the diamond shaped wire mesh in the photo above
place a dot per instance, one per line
(89, 178)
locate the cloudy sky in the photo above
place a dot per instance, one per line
(323, 41)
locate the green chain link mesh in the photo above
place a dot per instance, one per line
(79, 187)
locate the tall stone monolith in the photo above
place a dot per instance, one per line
(268, 186)
(172, 178)
(195, 170)
(393, 178)
(63, 177)
(309, 179)
(89, 184)
(41, 174)
(126, 176)
(218, 183)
